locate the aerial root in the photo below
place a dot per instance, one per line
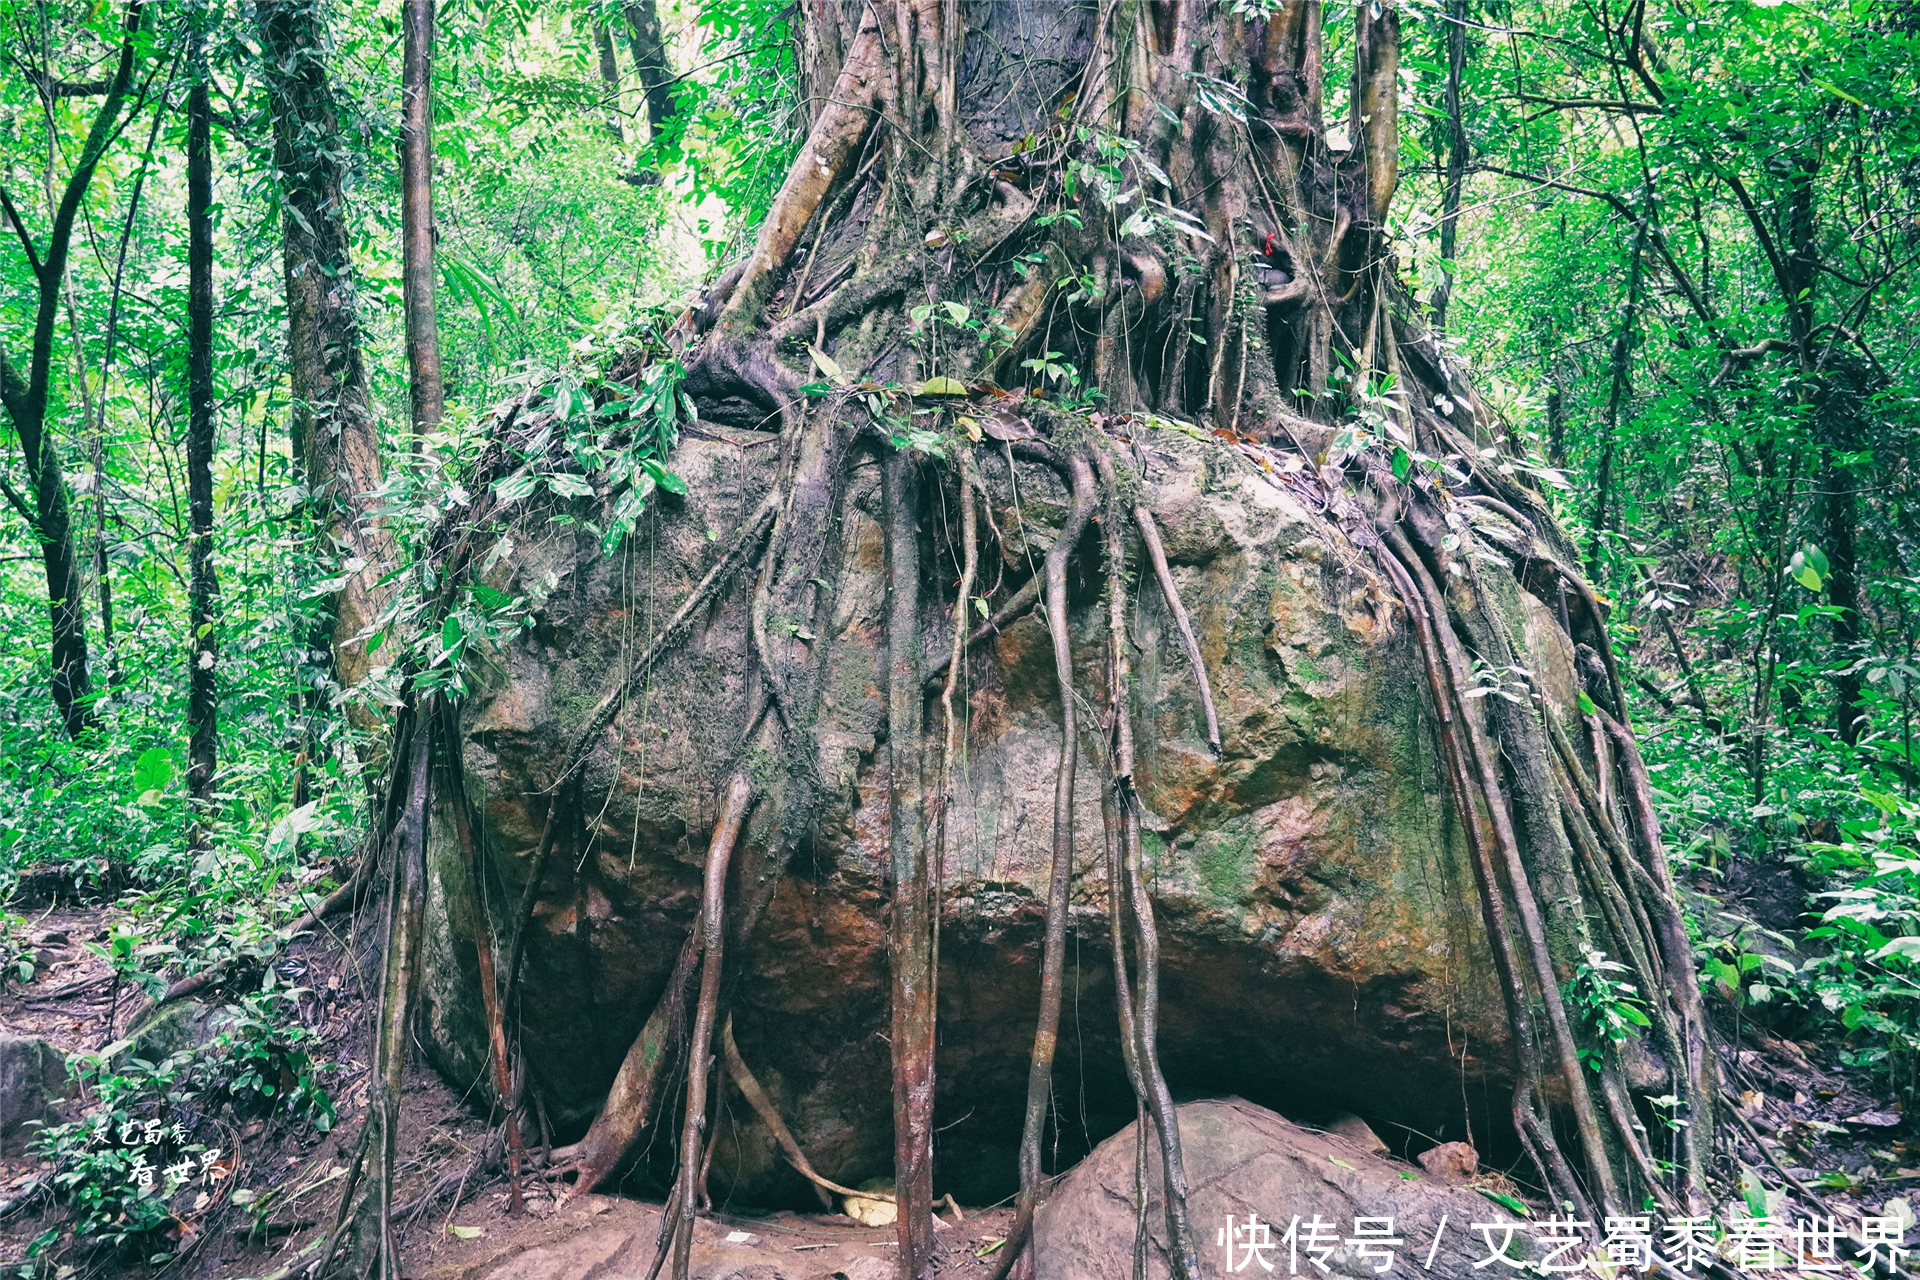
(1533, 927)
(749, 541)
(1128, 902)
(676, 1224)
(762, 1105)
(910, 953)
(636, 1088)
(1157, 553)
(1053, 964)
(365, 1225)
(483, 950)
(1535, 1135)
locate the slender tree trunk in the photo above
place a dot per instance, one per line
(1456, 157)
(25, 398)
(610, 77)
(336, 442)
(1839, 533)
(650, 63)
(416, 216)
(1620, 386)
(203, 645)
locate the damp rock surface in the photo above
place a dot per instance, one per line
(1322, 950)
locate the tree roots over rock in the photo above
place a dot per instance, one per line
(987, 352)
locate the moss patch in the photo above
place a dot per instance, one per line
(1224, 861)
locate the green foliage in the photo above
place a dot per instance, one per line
(1610, 1005)
(262, 1061)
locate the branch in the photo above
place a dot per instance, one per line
(50, 87)
(1620, 206)
(20, 505)
(1740, 355)
(1596, 104)
(20, 229)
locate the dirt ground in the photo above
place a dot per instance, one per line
(1827, 1128)
(280, 1195)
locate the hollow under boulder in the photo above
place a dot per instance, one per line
(1323, 950)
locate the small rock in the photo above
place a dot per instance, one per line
(868, 1212)
(1359, 1133)
(742, 1237)
(1451, 1162)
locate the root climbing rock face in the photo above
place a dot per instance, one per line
(1311, 887)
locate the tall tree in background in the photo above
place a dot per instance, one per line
(203, 644)
(49, 513)
(335, 438)
(416, 215)
(650, 62)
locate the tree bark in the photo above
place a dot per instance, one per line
(203, 642)
(416, 216)
(336, 443)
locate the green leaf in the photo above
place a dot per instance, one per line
(1586, 705)
(567, 485)
(957, 313)
(941, 387)
(465, 1233)
(152, 772)
(1753, 1191)
(1511, 1204)
(1402, 464)
(663, 477)
(521, 484)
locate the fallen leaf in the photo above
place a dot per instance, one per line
(941, 387)
(1342, 1163)
(1009, 426)
(829, 367)
(1876, 1119)
(465, 1233)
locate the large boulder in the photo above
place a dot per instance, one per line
(1252, 1177)
(1322, 950)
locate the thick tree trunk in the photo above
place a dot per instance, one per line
(336, 443)
(426, 394)
(203, 641)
